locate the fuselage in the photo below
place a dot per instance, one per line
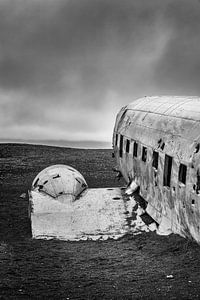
(156, 142)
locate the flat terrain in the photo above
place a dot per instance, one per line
(134, 267)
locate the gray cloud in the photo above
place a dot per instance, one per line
(178, 69)
(61, 60)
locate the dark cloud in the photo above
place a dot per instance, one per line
(91, 39)
(178, 69)
(91, 57)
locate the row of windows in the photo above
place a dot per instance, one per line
(155, 158)
(135, 147)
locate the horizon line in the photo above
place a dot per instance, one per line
(90, 144)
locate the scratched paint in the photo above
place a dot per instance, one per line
(170, 126)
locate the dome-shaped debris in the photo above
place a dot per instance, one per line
(58, 180)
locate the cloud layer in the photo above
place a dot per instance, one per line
(66, 67)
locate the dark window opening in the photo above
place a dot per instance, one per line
(198, 182)
(193, 201)
(121, 146)
(135, 149)
(155, 166)
(197, 148)
(182, 173)
(155, 160)
(167, 170)
(127, 146)
(144, 154)
(116, 139)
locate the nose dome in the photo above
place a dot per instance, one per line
(58, 180)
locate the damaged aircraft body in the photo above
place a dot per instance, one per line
(156, 143)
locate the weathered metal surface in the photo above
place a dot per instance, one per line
(96, 214)
(60, 180)
(62, 207)
(170, 126)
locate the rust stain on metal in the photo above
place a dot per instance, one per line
(163, 158)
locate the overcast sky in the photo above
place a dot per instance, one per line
(67, 66)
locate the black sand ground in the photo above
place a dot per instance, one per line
(134, 267)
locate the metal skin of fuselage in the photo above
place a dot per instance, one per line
(170, 127)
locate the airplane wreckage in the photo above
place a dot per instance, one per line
(156, 144)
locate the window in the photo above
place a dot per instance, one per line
(144, 154)
(198, 182)
(121, 146)
(167, 170)
(155, 166)
(182, 173)
(116, 139)
(155, 160)
(135, 149)
(127, 146)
